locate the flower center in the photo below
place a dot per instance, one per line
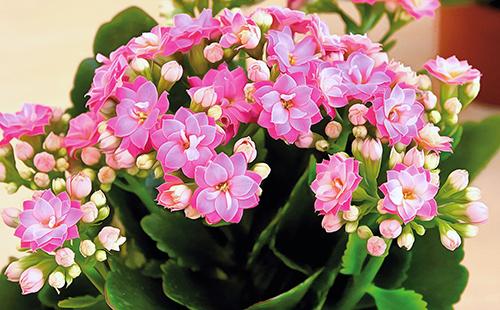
(292, 59)
(394, 114)
(140, 112)
(52, 222)
(223, 187)
(287, 101)
(408, 194)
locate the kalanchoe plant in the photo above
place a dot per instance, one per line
(161, 194)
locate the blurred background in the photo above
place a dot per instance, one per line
(44, 41)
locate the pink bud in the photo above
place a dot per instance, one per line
(205, 96)
(90, 212)
(477, 212)
(176, 197)
(91, 156)
(171, 71)
(429, 100)
(258, 71)
(333, 129)
(247, 147)
(249, 36)
(390, 229)
(121, 159)
(459, 179)
(357, 114)
(14, 271)
(23, 150)
(450, 239)
(414, 157)
(53, 142)
(65, 257)
(305, 140)
(3, 172)
(41, 179)
(44, 162)
(31, 280)
(10, 217)
(376, 246)
(106, 175)
(332, 222)
(371, 149)
(110, 238)
(79, 186)
(108, 143)
(213, 52)
(191, 213)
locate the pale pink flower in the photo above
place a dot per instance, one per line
(357, 114)
(376, 246)
(397, 115)
(110, 238)
(137, 114)
(150, 43)
(429, 139)
(82, 132)
(10, 217)
(47, 221)
(78, 186)
(44, 162)
(23, 150)
(213, 52)
(336, 179)
(174, 194)
(288, 108)
(120, 159)
(362, 77)
(31, 280)
(409, 192)
(420, 8)
(414, 157)
(30, 121)
(238, 31)
(331, 84)
(65, 257)
(257, 70)
(185, 141)
(451, 70)
(226, 188)
(390, 229)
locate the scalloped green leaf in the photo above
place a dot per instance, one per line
(397, 299)
(289, 299)
(80, 302)
(354, 255)
(81, 85)
(125, 25)
(187, 241)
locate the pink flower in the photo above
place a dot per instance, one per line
(78, 186)
(283, 51)
(47, 221)
(332, 87)
(336, 180)
(451, 70)
(31, 280)
(82, 132)
(91, 156)
(44, 162)
(376, 246)
(409, 193)
(137, 114)
(110, 238)
(420, 8)
(429, 139)
(239, 31)
(330, 45)
(476, 212)
(397, 115)
(188, 32)
(30, 121)
(361, 77)
(174, 194)
(288, 108)
(225, 189)
(359, 43)
(185, 141)
(149, 43)
(284, 17)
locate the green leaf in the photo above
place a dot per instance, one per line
(81, 85)
(196, 291)
(80, 302)
(354, 255)
(80, 286)
(289, 299)
(394, 270)
(435, 272)
(480, 142)
(10, 295)
(127, 24)
(128, 289)
(397, 299)
(187, 241)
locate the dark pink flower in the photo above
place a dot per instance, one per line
(82, 132)
(30, 121)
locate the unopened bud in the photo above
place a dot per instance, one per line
(262, 19)
(213, 52)
(139, 65)
(472, 193)
(332, 222)
(62, 164)
(453, 106)
(458, 179)
(406, 239)
(11, 188)
(434, 116)
(257, 70)
(52, 143)
(106, 175)
(74, 271)
(90, 212)
(429, 100)
(247, 147)
(364, 232)
(87, 248)
(450, 239)
(322, 145)
(351, 215)
(103, 213)
(145, 161)
(390, 229)
(58, 185)
(65, 257)
(414, 157)
(424, 82)
(23, 150)
(376, 246)
(351, 227)
(431, 161)
(262, 169)
(359, 132)
(100, 255)
(466, 230)
(91, 156)
(25, 172)
(333, 129)
(205, 96)
(98, 198)
(57, 280)
(10, 217)
(158, 172)
(41, 180)
(395, 158)
(476, 212)
(172, 71)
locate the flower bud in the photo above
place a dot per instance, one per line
(10, 217)
(191, 213)
(249, 36)
(52, 143)
(333, 129)
(262, 169)
(371, 149)
(103, 213)
(44, 162)
(58, 185)
(87, 248)
(364, 232)
(431, 161)
(213, 52)
(332, 222)
(359, 132)
(414, 157)
(57, 280)
(13, 271)
(158, 172)
(466, 230)
(450, 239)
(351, 215)
(98, 198)
(24, 151)
(429, 100)
(406, 239)
(172, 71)
(215, 112)
(434, 116)
(247, 147)
(390, 229)
(41, 180)
(205, 96)
(100, 255)
(139, 65)
(453, 106)
(90, 212)
(78, 186)
(90, 173)
(108, 142)
(258, 70)
(351, 227)
(176, 197)
(110, 238)
(376, 246)
(322, 145)
(65, 257)
(357, 114)
(476, 212)
(424, 82)
(91, 156)
(31, 280)
(62, 164)
(472, 193)
(74, 271)
(305, 140)
(458, 179)
(11, 188)
(262, 19)
(146, 161)
(106, 175)
(395, 158)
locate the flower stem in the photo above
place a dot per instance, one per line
(93, 275)
(138, 189)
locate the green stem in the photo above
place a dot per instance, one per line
(134, 186)
(94, 277)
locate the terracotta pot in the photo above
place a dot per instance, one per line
(472, 32)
